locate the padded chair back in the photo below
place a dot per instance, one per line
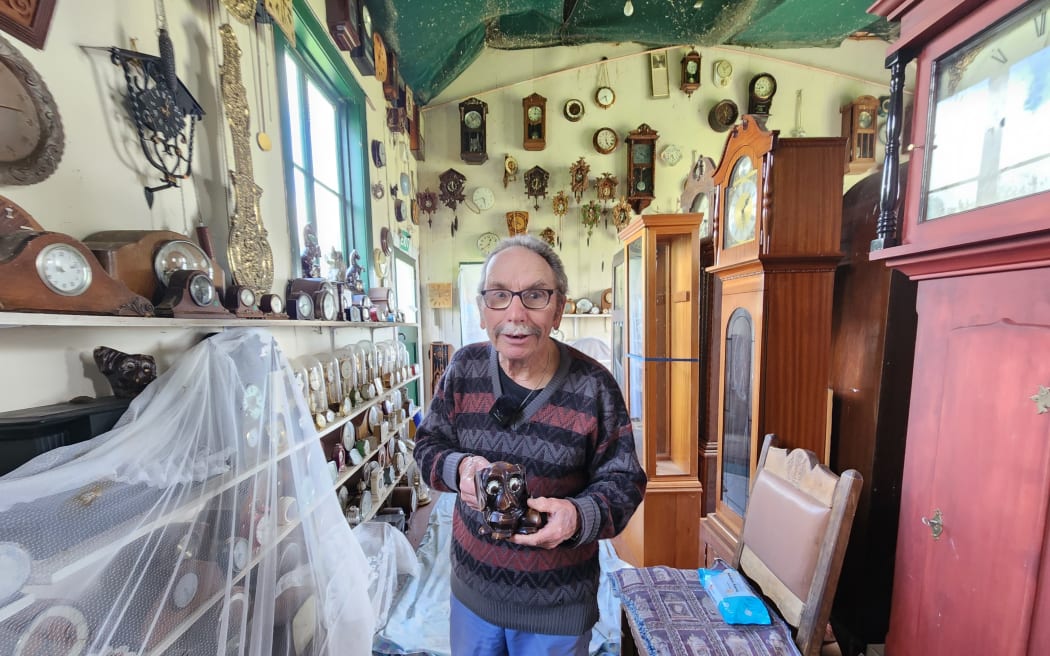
(796, 529)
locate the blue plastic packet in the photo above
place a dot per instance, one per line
(733, 597)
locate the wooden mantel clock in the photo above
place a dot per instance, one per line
(53, 272)
(776, 250)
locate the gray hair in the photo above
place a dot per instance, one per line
(537, 246)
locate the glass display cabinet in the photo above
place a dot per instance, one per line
(660, 281)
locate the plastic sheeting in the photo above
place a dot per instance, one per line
(418, 622)
(204, 523)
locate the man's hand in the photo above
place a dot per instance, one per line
(562, 520)
(467, 491)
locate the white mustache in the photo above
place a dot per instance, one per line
(517, 331)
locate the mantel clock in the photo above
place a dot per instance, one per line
(776, 248)
(534, 122)
(641, 169)
(760, 92)
(473, 117)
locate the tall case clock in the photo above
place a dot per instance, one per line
(777, 228)
(659, 297)
(473, 118)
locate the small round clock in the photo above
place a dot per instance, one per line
(246, 296)
(510, 165)
(483, 198)
(604, 97)
(304, 306)
(723, 72)
(271, 303)
(384, 240)
(573, 110)
(185, 590)
(487, 241)
(605, 140)
(64, 269)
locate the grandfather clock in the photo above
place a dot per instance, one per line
(777, 228)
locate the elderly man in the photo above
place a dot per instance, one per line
(525, 399)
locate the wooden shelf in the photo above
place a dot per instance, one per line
(19, 319)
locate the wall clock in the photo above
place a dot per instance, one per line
(483, 198)
(427, 202)
(379, 55)
(450, 191)
(659, 76)
(761, 90)
(548, 235)
(641, 171)
(378, 150)
(578, 172)
(384, 241)
(621, 214)
(573, 109)
(859, 126)
(605, 140)
(536, 180)
(698, 193)
(534, 122)
(473, 116)
(416, 141)
(690, 73)
(510, 169)
(722, 72)
(671, 154)
(517, 222)
(31, 135)
(487, 241)
(391, 83)
(723, 115)
(560, 204)
(604, 97)
(606, 187)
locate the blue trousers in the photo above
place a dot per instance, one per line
(473, 636)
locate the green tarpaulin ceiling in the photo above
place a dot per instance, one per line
(437, 39)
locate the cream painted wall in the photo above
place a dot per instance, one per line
(828, 78)
(98, 184)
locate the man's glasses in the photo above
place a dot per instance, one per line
(533, 299)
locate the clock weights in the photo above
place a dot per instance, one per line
(776, 238)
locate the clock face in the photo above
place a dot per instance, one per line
(19, 123)
(536, 184)
(484, 198)
(605, 140)
(741, 204)
(304, 306)
(180, 255)
(574, 110)
(691, 67)
(328, 306)
(988, 141)
(535, 114)
(276, 304)
(642, 153)
(472, 119)
(510, 165)
(64, 269)
(765, 86)
(605, 97)
(185, 590)
(723, 69)
(864, 120)
(202, 292)
(487, 242)
(366, 19)
(246, 296)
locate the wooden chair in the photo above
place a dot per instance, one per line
(794, 538)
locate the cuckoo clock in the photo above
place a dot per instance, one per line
(605, 187)
(690, 72)
(859, 126)
(450, 191)
(427, 202)
(641, 155)
(578, 174)
(534, 122)
(473, 115)
(536, 180)
(560, 204)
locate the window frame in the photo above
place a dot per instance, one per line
(319, 60)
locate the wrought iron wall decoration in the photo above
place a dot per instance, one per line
(164, 111)
(248, 251)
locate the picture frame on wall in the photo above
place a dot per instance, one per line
(28, 21)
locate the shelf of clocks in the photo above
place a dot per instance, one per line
(16, 319)
(61, 566)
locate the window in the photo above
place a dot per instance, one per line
(323, 132)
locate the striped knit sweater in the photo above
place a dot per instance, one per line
(575, 441)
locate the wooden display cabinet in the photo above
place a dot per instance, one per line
(777, 229)
(661, 323)
(971, 573)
